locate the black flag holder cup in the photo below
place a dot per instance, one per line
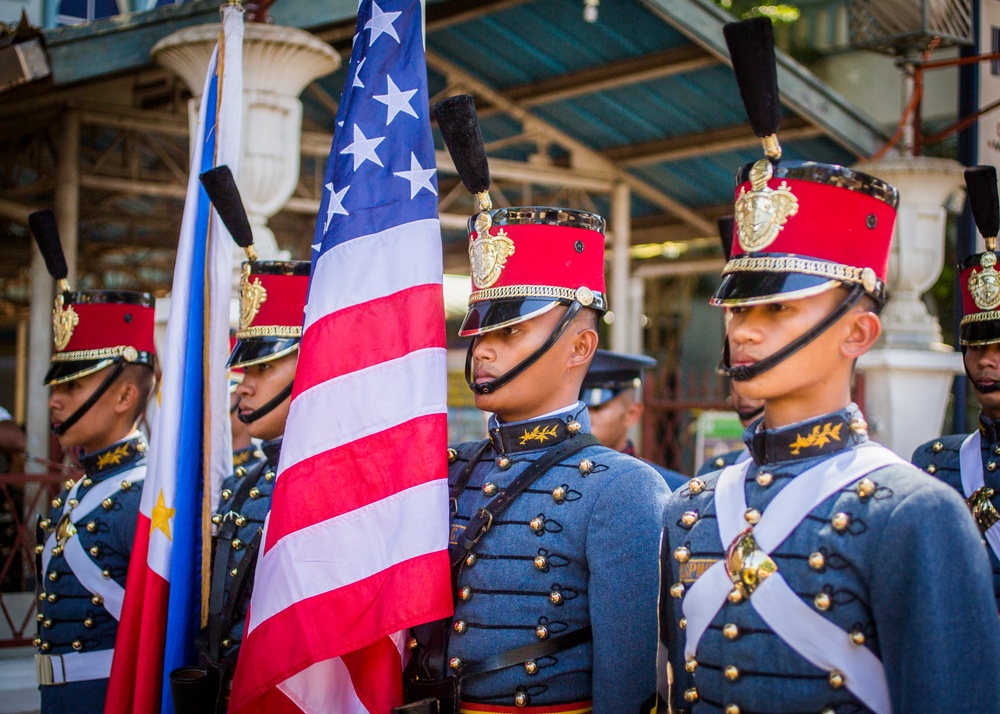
(92, 329)
(979, 279)
(272, 292)
(524, 261)
(801, 228)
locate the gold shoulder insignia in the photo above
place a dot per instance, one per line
(252, 294)
(63, 323)
(762, 212)
(817, 437)
(241, 458)
(488, 255)
(539, 434)
(113, 457)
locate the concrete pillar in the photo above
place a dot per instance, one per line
(621, 236)
(67, 199)
(637, 303)
(39, 348)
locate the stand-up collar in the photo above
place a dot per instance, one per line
(820, 436)
(541, 433)
(989, 429)
(121, 454)
(272, 450)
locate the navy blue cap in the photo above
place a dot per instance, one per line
(610, 374)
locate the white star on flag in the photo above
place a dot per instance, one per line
(336, 205)
(363, 148)
(418, 177)
(381, 23)
(357, 74)
(396, 101)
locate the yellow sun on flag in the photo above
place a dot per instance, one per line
(162, 516)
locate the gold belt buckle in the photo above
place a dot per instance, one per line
(747, 564)
(44, 669)
(983, 510)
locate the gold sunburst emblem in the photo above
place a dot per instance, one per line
(488, 255)
(761, 212)
(985, 285)
(252, 294)
(64, 320)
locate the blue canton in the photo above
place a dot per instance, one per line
(381, 172)
(71, 618)
(576, 548)
(940, 458)
(896, 562)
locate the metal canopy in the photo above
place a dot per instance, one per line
(643, 97)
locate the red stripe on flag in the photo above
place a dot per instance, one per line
(353, 617)
(377, 674)
(121, 686)
(137, 669)
(359, 473)
(418, 308)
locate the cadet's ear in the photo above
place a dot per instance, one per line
(864, 329)
(127, 396)
(633, 414)
(584, 347)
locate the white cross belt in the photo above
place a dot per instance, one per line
(818, 640)
(970, 461)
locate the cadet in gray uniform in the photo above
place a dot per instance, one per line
(968, 462)
(554, 537)
(825, 574)
(101, 377)
(611, 391)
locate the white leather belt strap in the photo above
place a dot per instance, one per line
(88, 572)
(807, 632)
(970, 460)
(73, 666)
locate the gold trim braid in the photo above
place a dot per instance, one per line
(819, 268)
(524, 291)
(103, 353)
(269, 331)
(985, 316)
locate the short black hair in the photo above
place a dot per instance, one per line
(144, 379)
(589, 318)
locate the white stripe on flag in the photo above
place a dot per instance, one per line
(406, 255)
(327, 686)
(365, 402)
(324, 557)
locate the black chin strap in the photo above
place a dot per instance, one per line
(92, 399)
(490, 387)
(269, 407)
(993, 387)
(747, 372)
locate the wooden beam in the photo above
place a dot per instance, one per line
(801, 90)
(677, 60)
(714, 141)
(583, 152)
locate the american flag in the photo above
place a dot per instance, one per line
(355, 546)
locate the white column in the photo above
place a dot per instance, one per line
(39, 349)
(637, 303)
(67, 199)
(621, 237)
